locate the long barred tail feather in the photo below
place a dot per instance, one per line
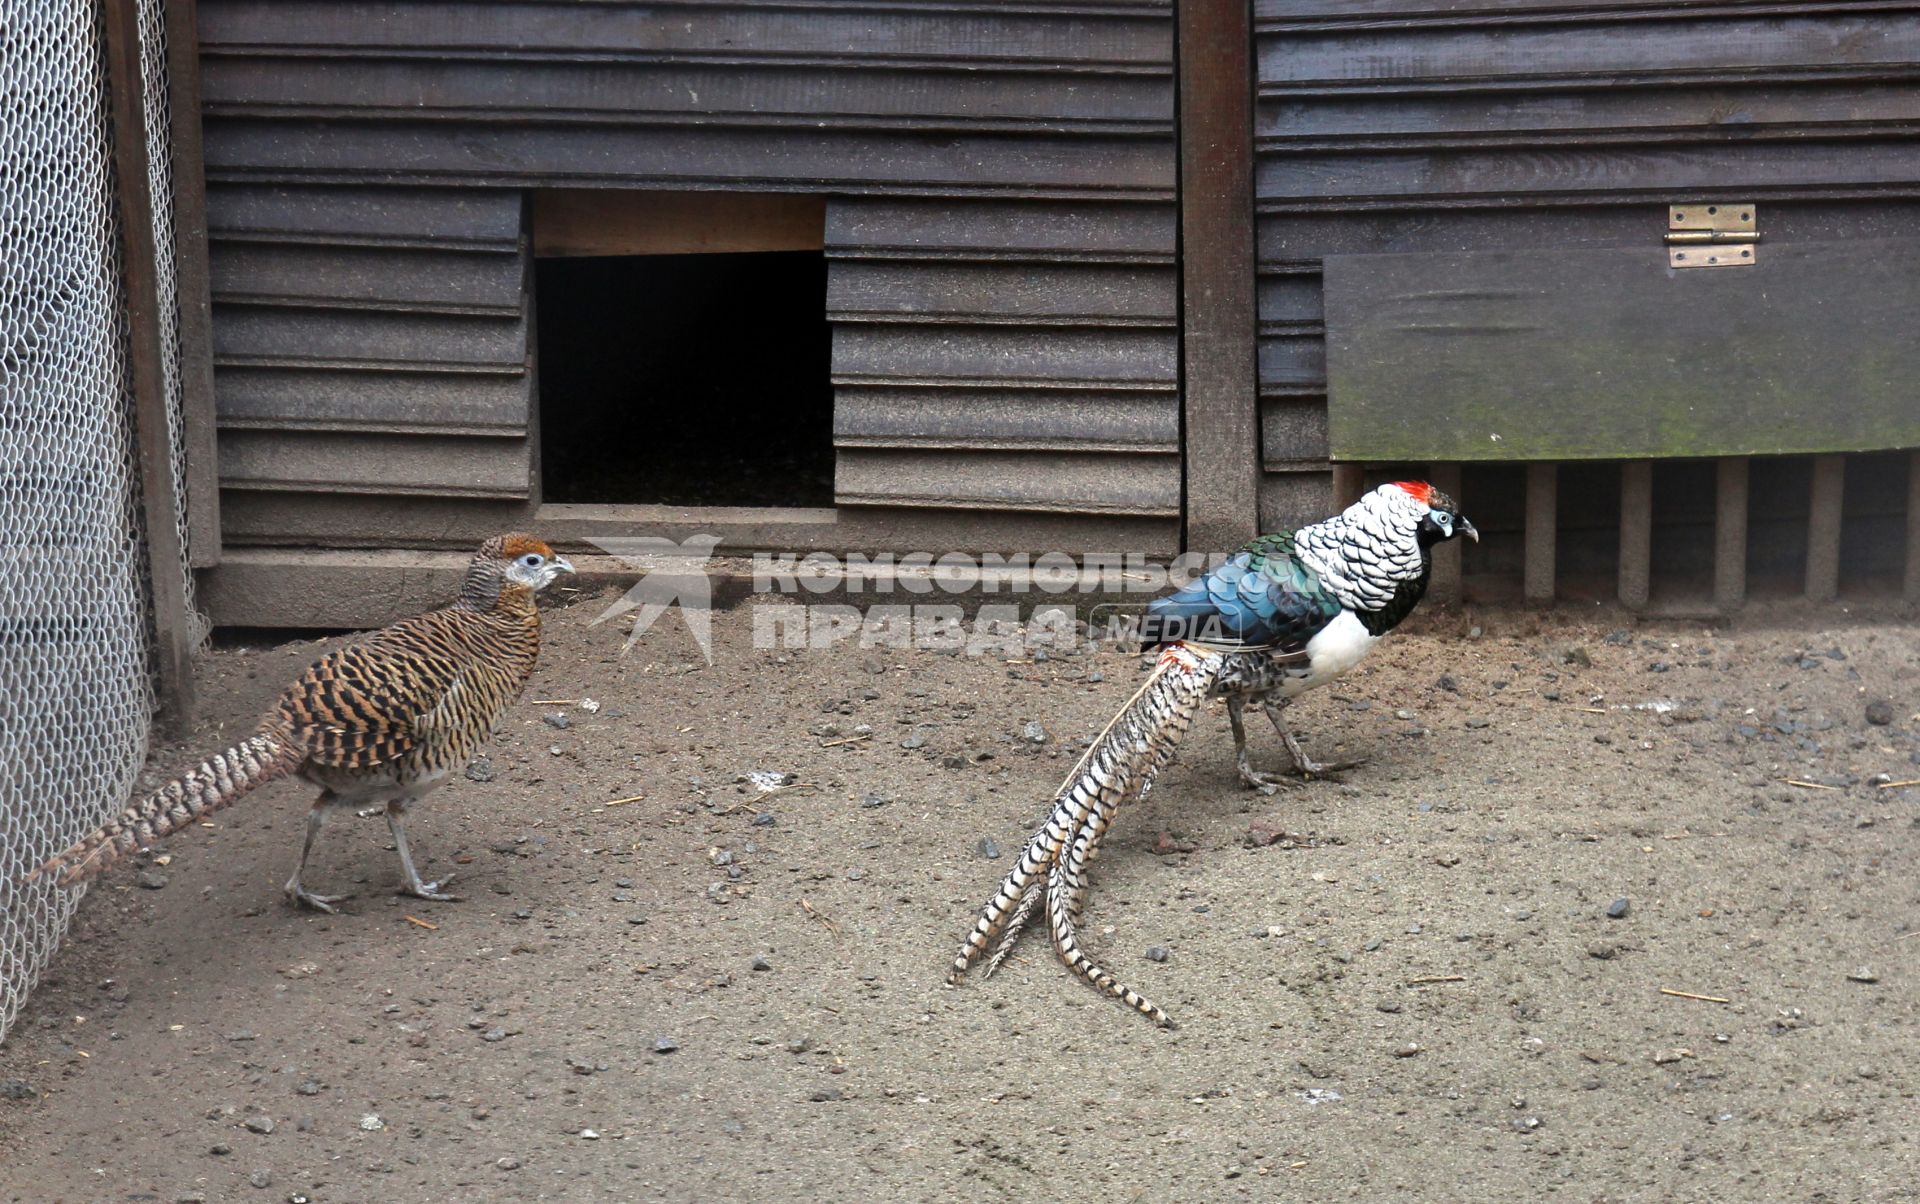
(1066, 942)
(1071, 805)
(1117, 766)
(1010, 931)
(220, 781)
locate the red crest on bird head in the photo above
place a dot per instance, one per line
(1419, 491)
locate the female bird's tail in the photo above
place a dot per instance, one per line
(1119, 765)
(220, 781)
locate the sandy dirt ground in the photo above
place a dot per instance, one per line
(665, 984)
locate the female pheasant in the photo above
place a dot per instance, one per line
(381, 721)
(1284, 614)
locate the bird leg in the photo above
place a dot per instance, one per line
(396, 823)
(298, 894)
(1307, 766)
(1248, 774)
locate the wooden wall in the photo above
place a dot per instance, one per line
(1477, 125)
(999, 227)
(371, 340)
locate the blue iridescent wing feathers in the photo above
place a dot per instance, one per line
(1261, 597)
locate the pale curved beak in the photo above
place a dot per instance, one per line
(561, 563)
(1467, 528)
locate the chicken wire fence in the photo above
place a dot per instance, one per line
(76, 626)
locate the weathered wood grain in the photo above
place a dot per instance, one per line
(1825, 512)
(1218, 342)
(1730, 532)
(1636, 533)
(1542, 533)
(621, 221)
(1606, 354)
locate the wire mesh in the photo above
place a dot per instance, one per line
(75, 646)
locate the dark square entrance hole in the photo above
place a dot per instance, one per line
(686, 380)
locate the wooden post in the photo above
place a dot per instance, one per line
(1542, 521)
(1823, 527)
(1445, 587)
(1730, 533)
(1912, 589)
(1636, 533)
(1218, 353)
(1349, 482)
(192, 292)
(165, 559)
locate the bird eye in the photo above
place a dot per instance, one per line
(532, 560)
(1442, 519)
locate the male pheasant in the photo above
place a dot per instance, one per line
(383, 720)
(1284, 614)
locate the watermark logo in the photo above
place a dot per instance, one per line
(672, 574)
(1023, 603)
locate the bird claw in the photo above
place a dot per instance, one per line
(1310, 769)
(1258, 780)
(301, 897)
(431, 891)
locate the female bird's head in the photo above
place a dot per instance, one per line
(1432, 514)
(529, 561)
(514, 561)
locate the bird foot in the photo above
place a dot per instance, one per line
(1258, 780)
(1310, 769)
(431, 891)
(300, 896)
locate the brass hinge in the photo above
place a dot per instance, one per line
(1720, 235)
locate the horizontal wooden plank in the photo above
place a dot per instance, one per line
(1293, 363)
(456, 85)
(461, 217)
(739, 158)
(319, 399)
(614, 221)
(1061, 420)
(367, 277)
(1684, 48)
(1754, 105)
(1049, 36)
(909, 290)
(1297, 241)
(1044, 230)
(1024, 481)
(328, 588)
(401, 465)
(908, 353)
(1516, 355)
(1617, 171)
(1273, 14)
(244, 334)
(1290, 300)
(284, 521)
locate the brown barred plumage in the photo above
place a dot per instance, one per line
(383, 720)
(1117, 767)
